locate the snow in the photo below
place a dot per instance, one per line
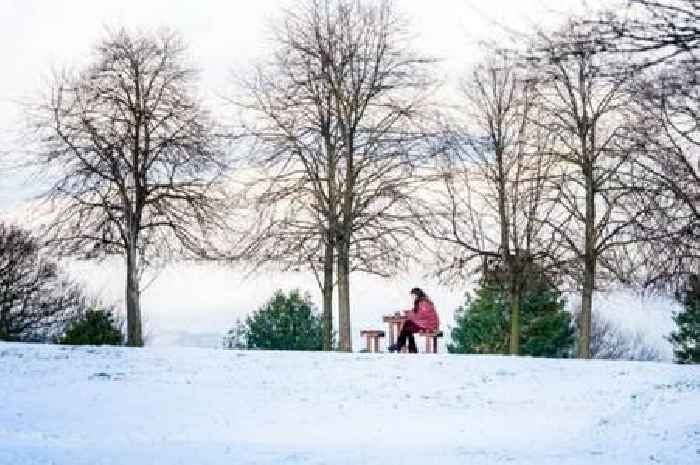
(89, 406)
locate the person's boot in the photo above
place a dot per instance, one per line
(393, 348)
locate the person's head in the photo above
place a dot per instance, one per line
(417, 294)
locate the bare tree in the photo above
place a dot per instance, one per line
(490, 213)
(293, 188)
(378, 87)
(129, 152)
(36, 299)
(602, 199)
(340, 104)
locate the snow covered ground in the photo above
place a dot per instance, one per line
(89, 406)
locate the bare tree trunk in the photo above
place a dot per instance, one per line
(327, 317)
(134, 336)
(514, 319)
(589, 265)
(344, 330)
(507, 257)
(584, 319)
(330, 238)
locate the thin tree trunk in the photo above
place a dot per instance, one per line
(327, 317)
(4, 329)
(134, 336)
(344, 330)
(514, 319)
(343, 243)
(330, 238)
(585, 320)
(584, 323)
(507, 258)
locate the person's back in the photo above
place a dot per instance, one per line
(425, 316)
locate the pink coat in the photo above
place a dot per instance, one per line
(426, 318)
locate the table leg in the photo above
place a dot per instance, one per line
(397, 331)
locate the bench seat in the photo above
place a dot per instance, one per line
(372, 337)
(431, 338)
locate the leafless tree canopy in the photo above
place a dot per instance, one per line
(574, 156)
(129, 151)
(489, 210)
(338, 109)
(661, 39)
(36, 298)
(603, 200)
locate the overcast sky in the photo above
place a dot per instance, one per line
(225, 36)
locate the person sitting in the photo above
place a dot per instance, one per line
(422, 317)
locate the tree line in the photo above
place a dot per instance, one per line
(571, 157)
(39, 302)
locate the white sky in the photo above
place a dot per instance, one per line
(225, 36)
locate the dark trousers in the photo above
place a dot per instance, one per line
(407, 332)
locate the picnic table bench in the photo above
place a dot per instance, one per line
(431, 339)
(372, 337)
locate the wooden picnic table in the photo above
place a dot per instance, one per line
(395, 322)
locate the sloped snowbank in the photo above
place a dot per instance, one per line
(75, 406)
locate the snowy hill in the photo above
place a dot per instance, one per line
(88, 406)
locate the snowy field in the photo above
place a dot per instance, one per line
(90, 406)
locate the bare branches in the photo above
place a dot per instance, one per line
(491, 214)
(337, 127)
(656, 31)
(661, 40)
(135, 170)
(36, 299)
